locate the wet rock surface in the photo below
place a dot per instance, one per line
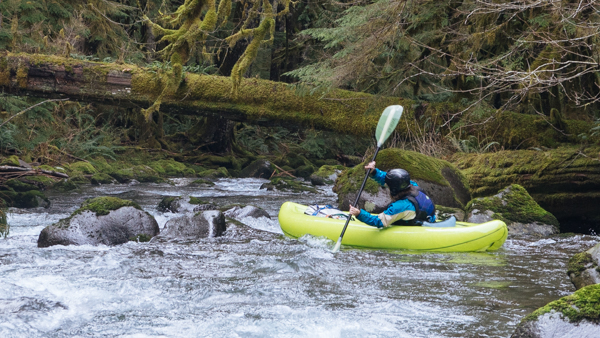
(201, 225)
(514, 206)
(117, 227)
(576, 315)
(584, 267)
(239, 212)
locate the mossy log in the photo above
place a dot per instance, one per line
(565, 181)
(258, 101)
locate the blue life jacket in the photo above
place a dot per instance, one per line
(424, 208)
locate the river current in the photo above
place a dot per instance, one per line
(255, 282)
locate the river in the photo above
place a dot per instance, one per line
(255, 282)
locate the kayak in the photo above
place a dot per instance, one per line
(463, 237)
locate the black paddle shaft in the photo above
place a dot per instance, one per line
(359, 193)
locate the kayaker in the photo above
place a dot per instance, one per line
(410, 206)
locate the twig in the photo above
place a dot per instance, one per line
(35, 105)
(282, 171)
(69, 155)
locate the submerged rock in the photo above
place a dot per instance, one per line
(442, 181)
(201, 225)
(101, 220)
(514, 206)
(576, 315)
(584, 267)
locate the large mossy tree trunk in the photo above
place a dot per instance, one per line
(564, 181)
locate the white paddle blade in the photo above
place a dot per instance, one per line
(387, 123)
(337, 246)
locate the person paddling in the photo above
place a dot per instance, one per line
(410, 205)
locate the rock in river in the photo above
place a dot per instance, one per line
(201, 225)
(101, 220)
(517, 209)
(584, 267)
(576, 315)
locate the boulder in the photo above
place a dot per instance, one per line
(565, 181)
(576, 315)
(201, 225)
(239, 211)
(170, 204)
(101, 220)
(514, 206)
(442, 181)
(260, 168)
(287, 184)
(442, 213)
(584, 268)
(140, 173)
(327, 174)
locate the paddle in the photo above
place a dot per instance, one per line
(386, 125)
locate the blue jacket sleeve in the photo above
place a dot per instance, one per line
(379, 176)
(369, 219)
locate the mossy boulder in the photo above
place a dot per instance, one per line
(584, 268)
(101, 220)
(65, 185)
(305, 171)
(215, 173)
(576, 315)
(20, 186)
(27, 199)
(172, 168)
(287, 184)
(442, 213)
(81, 167)
(101, 178)
(169, 204)
(514, 206)
(327, 174)
(260, 168)
(140, 173)
(12, 160)
(565, 181)
(42, 182)
(442, 181)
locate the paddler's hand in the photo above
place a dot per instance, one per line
(354, 211)
(371, 165)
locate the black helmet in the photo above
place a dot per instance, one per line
(398, 180)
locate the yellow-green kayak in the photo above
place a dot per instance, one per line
(487, 236)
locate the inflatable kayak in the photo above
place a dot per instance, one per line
(463, 236)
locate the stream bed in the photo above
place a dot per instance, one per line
(255, 282)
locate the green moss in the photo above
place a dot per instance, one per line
(583, 304)
(44, 182)
(19, 186)
(197, 201)
(11, 160)
(101, 178)
(328, 170)
(201, 182)
(140, 173)
(171, 168)
(83, 168)
(215, 173)
(65, 185)
(515, 205)
(290, 184)
(102, 165)
(579, 263)
(28, 199)
(22, 76)
(104, 205)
